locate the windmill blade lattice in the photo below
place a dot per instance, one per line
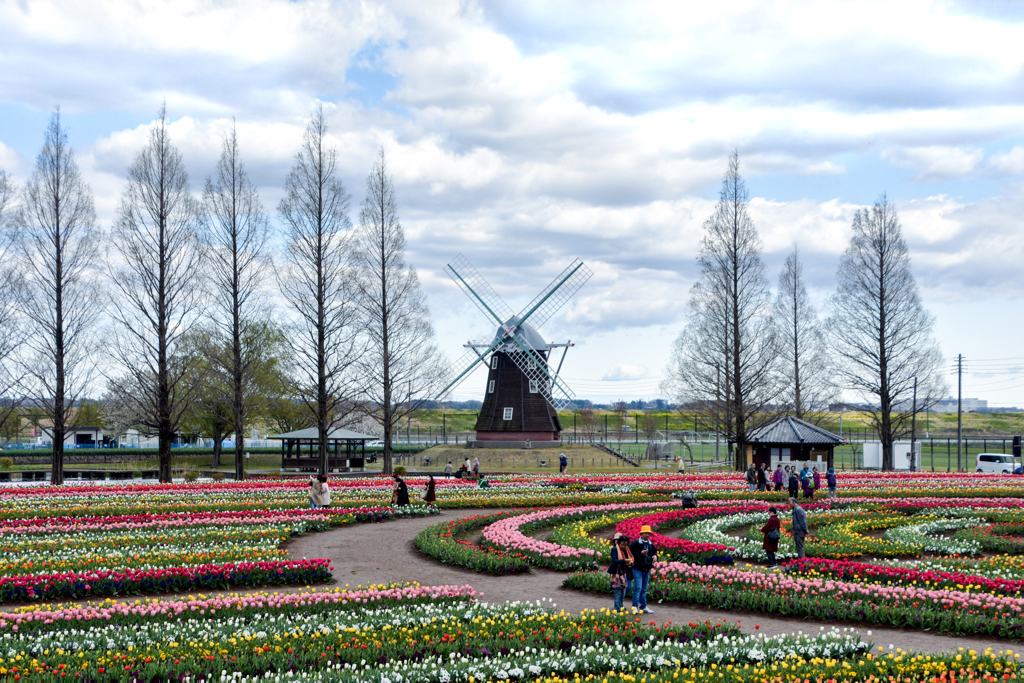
(554, 391)
(468, 361)
(477, 288)
(556, 294)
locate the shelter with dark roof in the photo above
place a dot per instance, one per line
(353, 455)
(789, 439)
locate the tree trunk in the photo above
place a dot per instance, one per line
(218, 438)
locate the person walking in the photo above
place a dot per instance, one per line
(751, 477)
(431, 495)
(762, 478)
(448, 470)
(680, 463)
(799, 527)
(319, 492)
(644, 557)
(476, 466)
(817, 479)
(621, 569)
(563, 463)
(830, 479)
(772, 532)
(401, 492)
(777, 477)
(794, 483)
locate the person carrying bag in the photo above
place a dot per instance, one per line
(621, 569)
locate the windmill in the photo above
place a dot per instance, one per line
(523, 395)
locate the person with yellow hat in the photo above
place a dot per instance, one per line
(644, 557)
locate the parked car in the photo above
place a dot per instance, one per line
(997, 463)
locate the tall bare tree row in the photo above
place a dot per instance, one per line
(318, 283)
(879, 331)
(740, 359)
(186, 285)
(156, 290)
(60, 296)
(236, 230)
(724, 361)
(11, 327)
(401, 367)
(808, 386)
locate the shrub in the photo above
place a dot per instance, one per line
(191, 475)
(218, 476)
(400, 470)
(6, 463)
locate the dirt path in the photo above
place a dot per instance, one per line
(365, 554)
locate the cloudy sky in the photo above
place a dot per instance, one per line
(526, 134)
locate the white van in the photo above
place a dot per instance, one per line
(995, 463)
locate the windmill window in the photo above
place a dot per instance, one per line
(494, 362)
(533, 386)
(507, 415)
(490, 387)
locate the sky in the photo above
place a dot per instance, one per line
(525, 135)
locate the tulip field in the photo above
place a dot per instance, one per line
(162, 582)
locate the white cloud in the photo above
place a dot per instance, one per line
(936, 162)
(623, 371)
(10, 160)
(1008, 163)
(526, 137)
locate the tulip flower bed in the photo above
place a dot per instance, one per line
(950, 611)
(442, 542)
(434, 635)
(176, 579)
(893, 667)
(111, 540)
(900, 576)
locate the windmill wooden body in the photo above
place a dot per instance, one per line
(523, 394)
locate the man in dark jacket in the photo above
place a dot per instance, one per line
(751, 477)
(762, 478)
(644, 556)
(799, 526)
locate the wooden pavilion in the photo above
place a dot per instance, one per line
(300, 449)
(787, 440)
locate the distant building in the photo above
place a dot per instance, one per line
(968, 405)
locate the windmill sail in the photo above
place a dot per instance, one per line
(468, 361)
(535, 368)
(478, 289)
(556, 294)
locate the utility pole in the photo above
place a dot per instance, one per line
(959, 411)
(913, 431)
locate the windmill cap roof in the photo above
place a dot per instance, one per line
(526, 333)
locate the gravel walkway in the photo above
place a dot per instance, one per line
(365, 554)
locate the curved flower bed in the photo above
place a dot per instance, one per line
(872, 573)
(397, 634)
(442, 542)
(508, 534)
(951, 611)
(175, 579)
(920, 536)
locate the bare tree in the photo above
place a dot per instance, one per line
(809, 387)
(60, 296)
(157, 290)
(317, 282)
(879, 332)
(11, 323)
(401, 369)
(588, 423)
(236, 231)
(724, 360)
